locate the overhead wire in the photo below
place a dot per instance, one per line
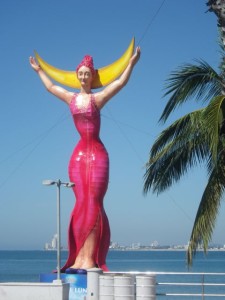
(151, 22)
(37, 140)
(127, 125)
(33, 140)
(125, 136)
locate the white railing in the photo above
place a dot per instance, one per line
(183, 285)
(190, 285)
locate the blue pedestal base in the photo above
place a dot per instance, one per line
(78, 283)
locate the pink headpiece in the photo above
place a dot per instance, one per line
(87, 62)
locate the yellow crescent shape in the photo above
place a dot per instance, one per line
(103, 77)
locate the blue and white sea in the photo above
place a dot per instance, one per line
(26, 266)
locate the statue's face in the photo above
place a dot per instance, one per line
(84, 75)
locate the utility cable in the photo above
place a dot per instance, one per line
(151, 22)
(40, 139)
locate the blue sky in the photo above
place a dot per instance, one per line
(38, 135)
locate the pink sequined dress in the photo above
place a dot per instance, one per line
(89, 170)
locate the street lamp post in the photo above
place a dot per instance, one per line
(58, 183)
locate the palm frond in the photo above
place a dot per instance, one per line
(212, 118)
(208, 210)
(200, 81)
(180, 147)
(183, 126)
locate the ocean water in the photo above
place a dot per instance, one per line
(25, 266)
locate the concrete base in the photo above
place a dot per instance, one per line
(78, 284)
(34, 291)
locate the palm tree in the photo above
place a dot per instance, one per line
(196, 138)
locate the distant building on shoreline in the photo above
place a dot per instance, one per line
(53, 244)
(156, 246)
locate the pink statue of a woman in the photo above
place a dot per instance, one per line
(89, 233)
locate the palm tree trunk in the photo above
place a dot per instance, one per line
(218, 7)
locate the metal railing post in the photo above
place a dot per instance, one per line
(203, 287)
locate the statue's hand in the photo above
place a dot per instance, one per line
(34, 64)
(134, 59)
